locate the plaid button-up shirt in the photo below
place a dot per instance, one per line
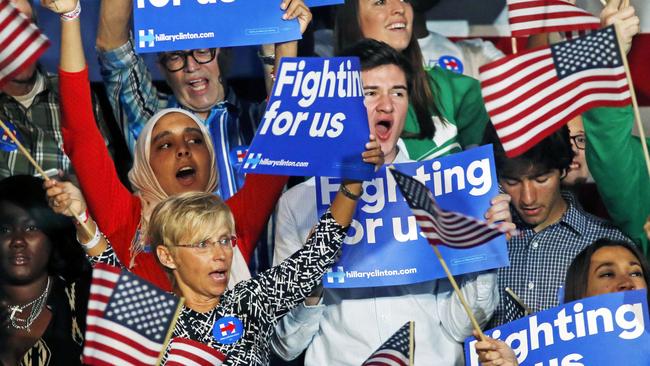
(39, 129)
(539, 261)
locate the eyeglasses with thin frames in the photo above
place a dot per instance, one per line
(579, 141)
(208, 244)
(177, 60)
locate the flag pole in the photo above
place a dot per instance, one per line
(513, 44)
(477, 328)
(411, 342)
(170, 331)
(518, 300)
(635, 106)
(39, 170)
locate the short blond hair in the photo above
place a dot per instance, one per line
(187, 218)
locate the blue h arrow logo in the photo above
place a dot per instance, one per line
(253, 160)
(144, 38)
(339, 275)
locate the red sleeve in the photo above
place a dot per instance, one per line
(252, 206)
(112, 206)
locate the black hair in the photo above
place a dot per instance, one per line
(373, 53)
(421, 6)
(423, 91)
(67, 258)
(575, 284)
(554, 152)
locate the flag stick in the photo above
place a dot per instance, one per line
(477, 328)
(170, 331)
(411, 342)
(519, 301)
(40, 170)
(603, 2)
(513, 43)
(635, 106)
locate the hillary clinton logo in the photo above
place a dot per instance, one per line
(451, 63)
(6, 143)
(228, 330)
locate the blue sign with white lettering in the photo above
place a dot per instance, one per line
(384, 246)
(601, 330)
(315, 121)
(315, 3)
(209, 23)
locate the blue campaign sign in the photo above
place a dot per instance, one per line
(384, 247)
(315, 121)
(169, 25)
(601, 330)
(314, 3)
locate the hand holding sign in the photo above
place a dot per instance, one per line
(296, 9)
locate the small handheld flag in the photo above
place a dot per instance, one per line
(21, 42)
(449, 228)
(528, 17)
(530, 95)
(183, 352)
(129, 320)
(398, 350)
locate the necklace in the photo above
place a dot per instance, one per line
(37, 307)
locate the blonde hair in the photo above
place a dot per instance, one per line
(187, 218)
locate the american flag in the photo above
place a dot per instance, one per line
(396, 351)
(530, 95)
(128, 319)
(449, 228)
(21, 42)
(528, 17)
(186, 352)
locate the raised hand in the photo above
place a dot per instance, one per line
(64, 198)
(60, 6)
(500, 211)
(296, 9)
(493, 352)
(620, 12)
(373, 154)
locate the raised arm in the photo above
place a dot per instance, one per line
(113, 28)
(108, 200)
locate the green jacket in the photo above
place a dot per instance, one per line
(616, 162)
(461, 103)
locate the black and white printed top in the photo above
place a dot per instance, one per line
(261, 301)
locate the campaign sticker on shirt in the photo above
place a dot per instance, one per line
(237, 155)
(228, 330)
(451, 63)
(6, 143)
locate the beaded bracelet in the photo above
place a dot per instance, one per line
(72, 15)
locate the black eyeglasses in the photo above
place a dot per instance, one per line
(177, 60)
(579, 141)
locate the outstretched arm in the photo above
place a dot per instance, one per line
(113, 28)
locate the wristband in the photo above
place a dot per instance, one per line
(93, 242)
(82, 218)
(72, 15)
(267, 59)
(346, 192)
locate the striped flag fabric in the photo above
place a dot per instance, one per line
(396, 351)
(187, 352)
(531, 94)
(128, 319)
(528, 17)
(439, 226)
(21, 42)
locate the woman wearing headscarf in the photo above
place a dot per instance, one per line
(174, 154)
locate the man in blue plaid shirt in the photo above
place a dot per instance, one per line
(553, 227)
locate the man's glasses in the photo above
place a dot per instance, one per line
(579, 141)
(208, 244)
(176, 61)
